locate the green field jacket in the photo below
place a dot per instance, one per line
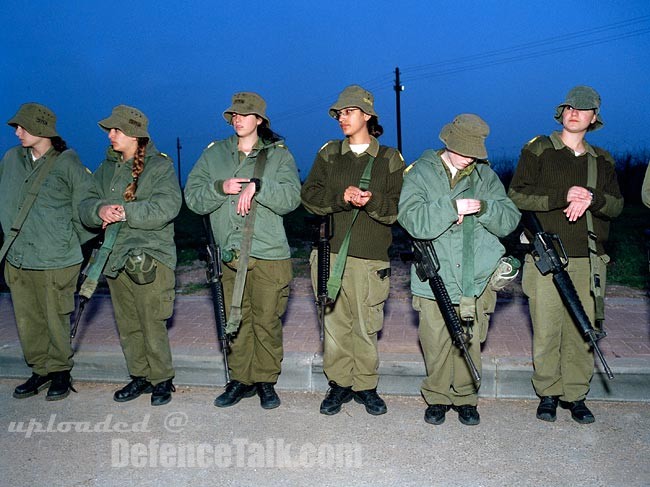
(279, 194)
(149, 219)
(427, 211)
(52, 234)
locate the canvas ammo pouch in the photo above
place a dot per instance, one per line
(140, 267)
(231, 259)
(506, 271)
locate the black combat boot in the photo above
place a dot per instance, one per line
(336, 396)
(546, 411)
(32, 387)
(60, 387)
(162, 393)
(268, 397)
(135, 388)
(375, 405)
(579, 411)
(435, 414)
(235, 392)
(468, 415)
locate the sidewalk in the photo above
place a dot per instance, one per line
(507, 365)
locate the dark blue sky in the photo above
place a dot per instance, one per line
(511, 62)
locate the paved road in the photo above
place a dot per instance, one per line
(295, 445)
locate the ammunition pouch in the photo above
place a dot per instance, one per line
(506, 271)
(467, 308)
(140, 267)
(231, 259)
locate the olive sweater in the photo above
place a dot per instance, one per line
(336, 167)
(546, 170)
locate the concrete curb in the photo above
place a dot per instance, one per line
(402, 374)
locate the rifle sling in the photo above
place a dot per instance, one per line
(235, 315)
(27, 204)
(336, 276)
(592, 179)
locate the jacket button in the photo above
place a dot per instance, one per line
(457, 265)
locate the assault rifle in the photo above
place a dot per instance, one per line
(214, 275)
(322, 243)
(427, 267)
(547, 259)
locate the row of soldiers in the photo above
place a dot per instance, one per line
(245, 184)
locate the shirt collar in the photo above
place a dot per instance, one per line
(556, 140)
(373, 149)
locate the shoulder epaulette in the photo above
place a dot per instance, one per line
(282, 146)
(408, 168)
(539, 144)
(211, 144)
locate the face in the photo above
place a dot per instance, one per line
(245, 125)
(122, 142)
(459, 161)
(576, 121)
(27, 139)
(352, 121)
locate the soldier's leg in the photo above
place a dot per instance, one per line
(437, 348)
(155, 305)
(128, 324)
(31, 320)
(547, 314)
(269, 297)
(368, 291)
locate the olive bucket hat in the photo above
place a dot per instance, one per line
(37, 119)
(466, 135)
(582, 98)
(354, 96)
(246, 103)
(129, 120)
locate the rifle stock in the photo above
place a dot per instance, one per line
(547, 259)
(426, 267)
(214, 274)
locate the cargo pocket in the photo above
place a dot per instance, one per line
(378, 289)
(166, 307)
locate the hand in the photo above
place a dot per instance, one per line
(467, 206)
(233, 185)
(111, 214)
(576, 209)
(245, 199)
(356, 196)
(578, 194)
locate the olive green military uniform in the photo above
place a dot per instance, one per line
(351, 358)
(42, 265)
(141, 310)
(256, 348)
(546, 170)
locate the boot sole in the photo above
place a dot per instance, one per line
(337, 409)
(374, 412)
(131, 398)
(32, 393)
(250, 393)
(548, 419)
(58, 397)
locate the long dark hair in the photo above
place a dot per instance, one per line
(138, 167)
(58, 143)
(265, 133)
(374, 128)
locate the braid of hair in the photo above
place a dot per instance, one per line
(138, 167)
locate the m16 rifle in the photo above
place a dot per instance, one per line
(427, 267)
(548, 259)
(214, 275)
(323, 252)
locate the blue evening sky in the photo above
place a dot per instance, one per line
(511, 62)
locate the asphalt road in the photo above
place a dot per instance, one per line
(88, 439)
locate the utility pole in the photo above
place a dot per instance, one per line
(398, 89)
(178, 158)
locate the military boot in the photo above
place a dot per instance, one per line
(33, 386)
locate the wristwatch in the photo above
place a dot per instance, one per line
(258, 184)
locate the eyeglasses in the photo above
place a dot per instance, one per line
(346, 112)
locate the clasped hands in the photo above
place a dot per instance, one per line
(356, 196)
(467, 206)
(579, 200)
(111, 214)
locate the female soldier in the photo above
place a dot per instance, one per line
(350, 358)
(43, 262)
(246, 183)
(136, 188)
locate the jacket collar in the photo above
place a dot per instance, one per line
(556, 140)
(373, 149)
